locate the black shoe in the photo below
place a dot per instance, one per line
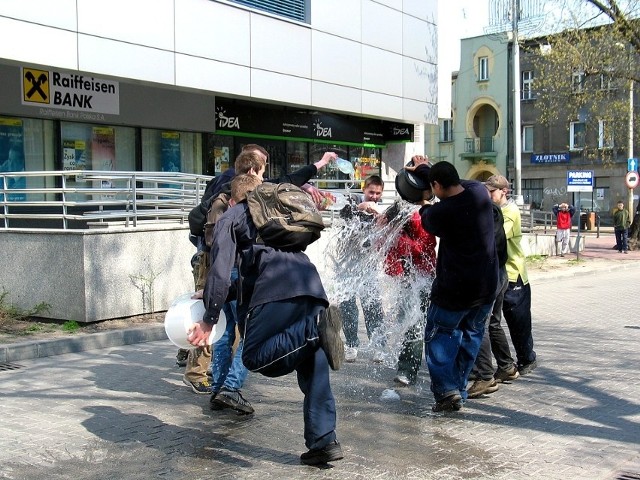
(528, 368)
(181, 357)
(452, 403)
(232, 399)
(329, 328)
(326, 454)
(213, 405)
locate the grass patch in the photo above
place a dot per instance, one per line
(70, 326)
(535, 261)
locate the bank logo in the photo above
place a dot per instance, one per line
(35, 86)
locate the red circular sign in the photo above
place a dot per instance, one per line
(632, 179)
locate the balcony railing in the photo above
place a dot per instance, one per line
(478, 145)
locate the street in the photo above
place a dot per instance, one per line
(124, 413)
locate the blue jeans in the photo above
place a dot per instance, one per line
(452, 340)
(227, 369)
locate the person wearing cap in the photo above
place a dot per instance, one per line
(563, 212)
(465, 284)
(516, 305)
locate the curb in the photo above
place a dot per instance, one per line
(552, 276)
(92, 341)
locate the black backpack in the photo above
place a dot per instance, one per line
(285, 216)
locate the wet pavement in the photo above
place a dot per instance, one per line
(122, 412)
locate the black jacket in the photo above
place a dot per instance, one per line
(267, 274)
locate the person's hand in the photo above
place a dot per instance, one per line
(417, 161)
(198, 334)
(369, 207)
(312, 191)
(199, 295)
(326, 158)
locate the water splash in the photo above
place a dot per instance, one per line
(355, 257)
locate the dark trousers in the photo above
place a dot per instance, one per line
(494, 342)
(622, 239)
(311, 365)
(517, 313)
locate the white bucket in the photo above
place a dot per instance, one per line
(182, 314)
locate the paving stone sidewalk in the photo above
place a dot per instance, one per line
(123, 412)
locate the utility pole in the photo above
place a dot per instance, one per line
(630, 146)
(515, 17)
(517, 134)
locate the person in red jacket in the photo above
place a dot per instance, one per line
(563, 212)
(413, 255)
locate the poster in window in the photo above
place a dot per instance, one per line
(221, 157)
(74, 155)
(12, 155)
(170, 151)
(103, 149)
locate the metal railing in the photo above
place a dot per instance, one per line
(479, 145)
(536, 220)
(80, 198)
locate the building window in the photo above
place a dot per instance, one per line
(294, 9)
(577, 82)
(527, 138)
(576, 136)
(605, 134)
(483, 68)
(533, 192)
(446, 130)
(527, 85)
(606, 81)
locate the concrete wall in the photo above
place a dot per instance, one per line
(89, 276)
(96, 275)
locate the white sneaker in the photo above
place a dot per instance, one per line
(378, 356)
(402, 380)
(350, 354)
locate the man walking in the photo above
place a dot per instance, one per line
(517, 298)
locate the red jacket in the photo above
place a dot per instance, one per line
(414, 245)
(564, 219)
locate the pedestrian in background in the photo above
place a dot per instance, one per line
(564, 213)
(621, 224)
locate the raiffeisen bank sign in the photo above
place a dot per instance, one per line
(580, 181)
(69, 91)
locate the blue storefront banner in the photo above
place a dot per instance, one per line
(12, 155)
(550, 157)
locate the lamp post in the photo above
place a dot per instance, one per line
(630, 145)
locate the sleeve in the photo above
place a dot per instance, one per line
(572, 210)
(508, 222)
(223, 255)
(299, 177)
(555, 210)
